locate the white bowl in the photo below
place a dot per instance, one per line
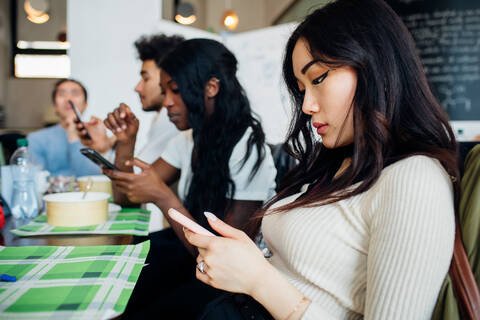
(68, 209)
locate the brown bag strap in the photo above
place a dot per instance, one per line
(463, 281)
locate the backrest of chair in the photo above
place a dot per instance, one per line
(460, 297)
(9, 143)
(282, 160)
(464, 149)
(3, 162)
(469, 210)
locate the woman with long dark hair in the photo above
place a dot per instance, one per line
(364, 226)
(220, 160)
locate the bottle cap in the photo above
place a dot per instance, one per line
(22, 143)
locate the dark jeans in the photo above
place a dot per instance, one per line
(234, 306)
(167, 287)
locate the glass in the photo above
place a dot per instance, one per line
(62, 184)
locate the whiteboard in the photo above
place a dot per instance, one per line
(259, 54)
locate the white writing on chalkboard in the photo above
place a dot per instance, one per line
(448, 42)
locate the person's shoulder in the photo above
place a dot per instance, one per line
(415, 168)
(185, 135)
(414, 162)
(182, 140)
(412, 185)
(48, 132)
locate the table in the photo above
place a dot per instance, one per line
(9, 239)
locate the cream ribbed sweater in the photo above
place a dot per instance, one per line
(382, 254)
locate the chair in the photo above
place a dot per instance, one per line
(456, 302)
(3, 162)
(9, 143)
(464, 149)
(282, 160)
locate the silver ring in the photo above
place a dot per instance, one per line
(201, 266)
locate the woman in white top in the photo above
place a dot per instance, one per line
(364, 226)
(220, 158)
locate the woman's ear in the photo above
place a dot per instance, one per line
(212, 87)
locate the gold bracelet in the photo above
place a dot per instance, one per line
(304, 299)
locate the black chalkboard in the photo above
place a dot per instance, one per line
(447, 35)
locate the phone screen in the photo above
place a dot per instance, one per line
(98, 159)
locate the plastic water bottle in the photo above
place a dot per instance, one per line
(24, 204)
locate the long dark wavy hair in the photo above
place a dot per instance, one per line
(395, 114)
(191, 65)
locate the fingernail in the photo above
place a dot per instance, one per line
(124, 127)
(210, 216)
(119, 130)
(127, 162)
(183, 228)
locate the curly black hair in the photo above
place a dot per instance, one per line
(155, 47)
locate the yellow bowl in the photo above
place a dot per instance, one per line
(68, 209)
(101, 183)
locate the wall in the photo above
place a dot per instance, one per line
(28, 100)
(4, 50)
(299, 10)
(251, 13)
(276, 8)
(102, 53)
(209, 13)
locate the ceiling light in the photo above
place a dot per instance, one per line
(36, 10)
(230, 19)
(185, 13)
(39, 19)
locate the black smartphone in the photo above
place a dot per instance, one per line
(98, 159)
(79, 119)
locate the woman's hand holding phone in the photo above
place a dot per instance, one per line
(142, 187)
(231, 262)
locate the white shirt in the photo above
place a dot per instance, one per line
(159, 135)
(260, 188)
(382, 254)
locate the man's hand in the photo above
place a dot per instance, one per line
(70, 127)
(99, 140)
(123, 123)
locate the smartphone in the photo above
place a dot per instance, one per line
(79, 119)
(188, 223)
(98, 159)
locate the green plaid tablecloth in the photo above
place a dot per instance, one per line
(126, 221)
(69, 282)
